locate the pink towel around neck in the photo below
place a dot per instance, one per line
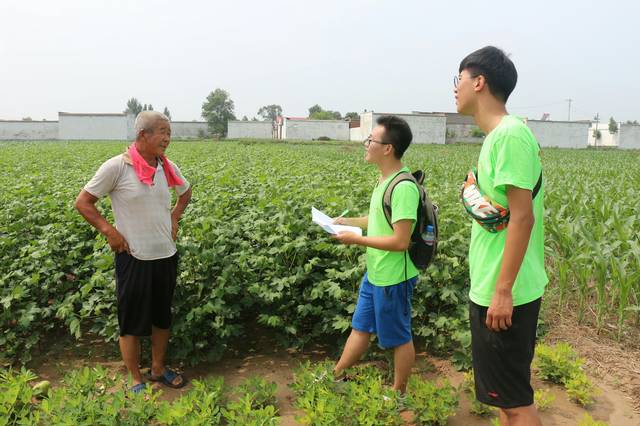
(145, 172)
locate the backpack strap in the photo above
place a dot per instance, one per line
(534, 191)
(388, 192)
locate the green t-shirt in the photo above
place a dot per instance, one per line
(388, 267)
(510, 155)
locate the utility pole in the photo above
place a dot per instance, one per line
(569, 101)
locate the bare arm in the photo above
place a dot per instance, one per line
(360, 222)
(86, 206)
(399, 241)
(518, 233)
(181, 204)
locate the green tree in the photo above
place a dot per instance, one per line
(314, 109)
(244, 118)
(217, 109)
(145, 107)
(133, 107)
(352, 116)
(150, 107)
(270, 112)
(167, 113)
(317, 113)
(613, 126)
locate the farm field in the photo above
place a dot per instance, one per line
(253, 264)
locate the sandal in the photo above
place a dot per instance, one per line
(139, 388)
(167, 379)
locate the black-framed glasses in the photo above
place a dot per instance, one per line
(368, 141)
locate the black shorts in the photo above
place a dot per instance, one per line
(144, 289)
(502, 361)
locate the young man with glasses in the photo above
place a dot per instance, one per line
(384, 300)
(506, 266)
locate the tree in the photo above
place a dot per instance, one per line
(133, 107)
(314, 109)
(352, 116)
(150, 107)
(632, 122)
(317, 113)
(254, 119)
(145, 107)
(597, 135)
(613, 126)
(167, 113)
(27, 119)
(270, 112)
(217, 109)
(244, 118)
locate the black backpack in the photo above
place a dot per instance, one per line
(420, 252)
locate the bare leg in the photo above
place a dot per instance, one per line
(130, 349)
(523, 416)
(404, 357)
(357, 344)
(159, 344)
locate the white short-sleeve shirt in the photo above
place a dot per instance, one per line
(142, 212)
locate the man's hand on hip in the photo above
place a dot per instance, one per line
(117, 242)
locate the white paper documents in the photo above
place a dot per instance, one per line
(327, 223)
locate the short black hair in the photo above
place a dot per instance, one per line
(497, 69)
(396, 132)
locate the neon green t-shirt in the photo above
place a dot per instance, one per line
(510, 155)
(388, 267)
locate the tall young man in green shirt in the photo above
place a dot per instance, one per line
(506, 267)
(384, 300)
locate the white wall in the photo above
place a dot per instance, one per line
(629, 136)
(425, 128)
(28, 130)
(355, 134)
(189, 129)
(314, 129)
(606, 138)
(560, 134)
(249, 129)
(92, 126)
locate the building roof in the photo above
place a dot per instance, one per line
(93, 114)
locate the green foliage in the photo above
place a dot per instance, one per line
(134, 107)
(560, 364)
(201, 405)
(587, 420)
(248, 249)
(16, 406)
(543, 399)
(316, 112)
(262, 392)
(431, 403)
(269, 112)
(92, 396)
(477, 133)
(362, 400)
(478, 408)
(365, 398)
(217, 109)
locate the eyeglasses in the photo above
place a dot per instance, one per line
(456, 80)
(368, 141)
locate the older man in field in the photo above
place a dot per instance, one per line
(143, 239)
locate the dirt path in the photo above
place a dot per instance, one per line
(277, 365)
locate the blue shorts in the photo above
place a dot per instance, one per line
(385, 311)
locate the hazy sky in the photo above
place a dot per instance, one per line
(387, 56)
